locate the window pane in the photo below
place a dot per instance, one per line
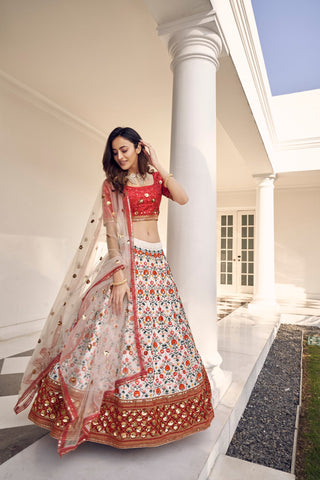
(223, 232)
(223, 255)
(230, 220)
(250, 243)
(250, 268)
(244, 244)
(229, 279)
(243, 279)
(250, 234)
(250, 256)
(244, 219)
(229, 266)
(244, 256)
(243, 268)
(250, 280)
(223, 220)
(223, 266)
(229, 254)
(223, 278)
(230, 231)
(244, 231)
(230, 243)
(251, 220)
(223, 243)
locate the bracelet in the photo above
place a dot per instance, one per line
(167, 178)
(115, 284)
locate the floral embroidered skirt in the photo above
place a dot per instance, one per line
(173, 399)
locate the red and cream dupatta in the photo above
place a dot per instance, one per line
(74, 315)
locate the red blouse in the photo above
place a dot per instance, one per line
(145, 201)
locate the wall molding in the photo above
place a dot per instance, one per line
(299, 144)
(276, 188)
(9, 332)
(229, 209)
(40, 101)
(237, 189)
(297, 187)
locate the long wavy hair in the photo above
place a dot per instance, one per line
(114, 173)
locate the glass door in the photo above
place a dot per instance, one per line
(245, 257)
(235, 251)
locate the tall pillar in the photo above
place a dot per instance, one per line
(264, 290)
(192, 228)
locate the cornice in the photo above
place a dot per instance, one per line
(240, 13)
(44, 103)
(299, 143)
(246, 35)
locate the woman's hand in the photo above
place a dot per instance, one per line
(177, 192)
(153, 159)
(118, 293)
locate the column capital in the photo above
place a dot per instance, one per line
(195, 42)
(265, 179)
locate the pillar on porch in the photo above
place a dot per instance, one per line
(192, 228)
(264, 290)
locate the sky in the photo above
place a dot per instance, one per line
(289, 32)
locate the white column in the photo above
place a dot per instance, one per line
(264, 290)
(192, 228)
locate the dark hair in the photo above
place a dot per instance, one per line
(114, 173)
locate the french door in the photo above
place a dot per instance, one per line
(235, 251)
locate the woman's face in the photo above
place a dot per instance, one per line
(125, 154)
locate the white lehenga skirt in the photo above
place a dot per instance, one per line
(173, 398)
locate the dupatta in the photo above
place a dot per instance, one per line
(80, 304)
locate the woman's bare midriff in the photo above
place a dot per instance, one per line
(146, 230)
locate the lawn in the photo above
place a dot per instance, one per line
(308, 451)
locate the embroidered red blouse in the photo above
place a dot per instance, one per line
(145, 201)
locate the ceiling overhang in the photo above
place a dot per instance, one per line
(289, 124)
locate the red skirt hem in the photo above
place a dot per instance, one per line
(134, 423)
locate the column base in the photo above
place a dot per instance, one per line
(220, 380)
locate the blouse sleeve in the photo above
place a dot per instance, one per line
(164, 190)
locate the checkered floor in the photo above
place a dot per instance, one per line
(228, 303)
(16, 431)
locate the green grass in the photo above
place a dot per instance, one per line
(312, 432)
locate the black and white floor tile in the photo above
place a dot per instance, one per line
(16, 431)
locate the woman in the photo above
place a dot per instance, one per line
(116, 362)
